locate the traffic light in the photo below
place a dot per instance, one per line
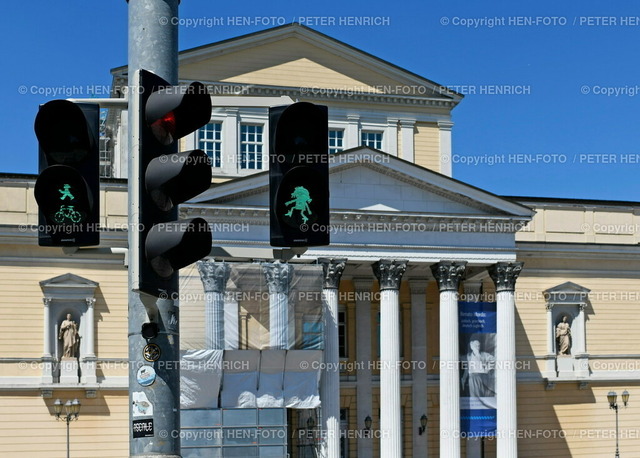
(168, 178)
(299, 175)
(68, 187)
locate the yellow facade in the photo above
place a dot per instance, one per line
(586, 243)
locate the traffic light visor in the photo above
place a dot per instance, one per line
(61, 128)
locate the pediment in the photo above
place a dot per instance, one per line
(567, 293)
(296, 56)
(372, 182)
(68, 286)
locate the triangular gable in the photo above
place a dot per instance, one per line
(69, 286)
(296, 56)
(68, 280)
(367, 180)
(567, 293)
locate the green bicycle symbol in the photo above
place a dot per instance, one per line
(67, 214)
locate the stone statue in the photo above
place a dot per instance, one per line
(69, 336)
(563, 337)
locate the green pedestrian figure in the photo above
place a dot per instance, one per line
(301, 200)
(65, 192)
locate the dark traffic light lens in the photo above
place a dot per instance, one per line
(63, 133)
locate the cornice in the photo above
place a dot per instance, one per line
(426, 222)
(341, 163)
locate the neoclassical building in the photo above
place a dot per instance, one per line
(430, 290)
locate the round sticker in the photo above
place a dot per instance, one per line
(151, 352)
(146, 375)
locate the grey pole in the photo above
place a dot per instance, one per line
(153, 46)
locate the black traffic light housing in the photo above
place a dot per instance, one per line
(299, 175)
(168, 178)
(68, 187)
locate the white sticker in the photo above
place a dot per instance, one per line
(141, 405)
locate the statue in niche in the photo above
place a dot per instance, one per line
(69, 336)
(563, 337)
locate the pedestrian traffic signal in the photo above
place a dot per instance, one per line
(168, 178)
(68, 187)
(299, 175)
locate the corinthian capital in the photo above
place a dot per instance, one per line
(389, 273)
(505, 274)
(278, 276)
(333, 269)
(448, 274)
(214, 275)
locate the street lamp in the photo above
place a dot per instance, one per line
(423, 425)
(612, 397)
(367, 426)
(71, 412)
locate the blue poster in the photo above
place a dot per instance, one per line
(477, 334)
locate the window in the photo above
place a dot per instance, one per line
(233, 432)
(344, 433)
(371, 139)
(104, 142)
(210, 141)
(251, 146)
(335, 141)
(312, 334)
(342, 334)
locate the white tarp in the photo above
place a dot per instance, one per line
(200, 375)
(250, 379)
(240, 378)
(271, 379)
(302, 379)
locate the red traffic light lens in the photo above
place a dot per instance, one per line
(164, 129)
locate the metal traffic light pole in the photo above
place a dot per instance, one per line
(154, 408)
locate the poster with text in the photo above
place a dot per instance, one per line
(477, 334)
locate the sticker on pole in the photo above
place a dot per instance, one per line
(142, 428)
(146, 375)
(151, 352)
(141, 405)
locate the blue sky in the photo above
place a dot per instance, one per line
(570, 130)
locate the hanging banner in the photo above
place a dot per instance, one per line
(477, 336)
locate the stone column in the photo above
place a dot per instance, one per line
(364, 395)
(88, 361)
(390, 137)
(407, 128)
(89, 328)
(389, 274)
(550, 360)
(446, 165)
(448, 275)
(48, 352)
(214, 276)
(330, 381)
(418, 289)
(504, 275)
(232, 318)
(352, 133)
(230, 162)
(278, 276)
(579, 349)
